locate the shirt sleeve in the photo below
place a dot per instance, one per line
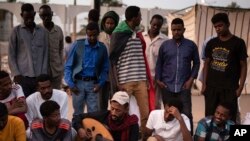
(200, 130)
(242, 50)
(64, 108)
(196, 62)
(150, 122)
(105, 68)
(19, 91)
(68, 68)
(20, 134)
(29, 114)
(158, 68)
(45, 53)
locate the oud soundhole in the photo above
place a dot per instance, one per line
(93, 128)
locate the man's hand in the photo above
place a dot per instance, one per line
(18, 103)
(188, 84)
(17, 79)
(175, 112)
(239, 90)
(96, 88)
(203, 88)
(83, 134)
(161, 84)
(75, 90)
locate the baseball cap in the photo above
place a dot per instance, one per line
(121, 97)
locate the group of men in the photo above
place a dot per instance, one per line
(125, 62)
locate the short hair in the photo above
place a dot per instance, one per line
(43, 78)
(177, 21)
(45, 6)
(131, 12)
(174, 102)
(92, 26)
(94, 15)
(27, 7)
(68, 39)
(3, 74)
(226, 105)
(3, 110)
(220, 17)
(157, 16)
(48, 107)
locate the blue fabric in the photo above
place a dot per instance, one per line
(86, 96)
(74, 64)
(217, 133)
(176, 64)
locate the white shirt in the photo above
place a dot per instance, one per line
(16, 93)
(35, 100)
(170, 131)
(152, 49)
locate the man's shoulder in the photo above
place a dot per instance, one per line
(59, 93)
(36, 124)
(65, 124)
(30, 99)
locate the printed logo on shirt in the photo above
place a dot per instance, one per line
(220, 58)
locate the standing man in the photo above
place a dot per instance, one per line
(55, 46)
(225, 67)
(45, 92)
(154, 38)
(109, 21)
(177, 66)
(28, 51)
(129, 62)
(86, 70)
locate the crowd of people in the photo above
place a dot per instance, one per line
(112, 63)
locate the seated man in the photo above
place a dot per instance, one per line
(44, 93)
(123, 127)
(169, 124)
(216, 127)
(11, 128)
(13, 97)
(51, 127)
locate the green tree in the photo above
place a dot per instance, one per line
(115, 3)
(233, 5)
(44, 1)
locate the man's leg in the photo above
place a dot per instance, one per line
(211, 100)
(158, 94)
(78, 100)
(92, 98)
(56, 82)
(28, 85)
(104, 96)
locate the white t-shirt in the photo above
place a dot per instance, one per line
(170, 131)
(16, 93)
(35, 100)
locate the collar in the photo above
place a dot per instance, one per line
(160, 35)
(24, 26)
(54, 28)
(86, 43)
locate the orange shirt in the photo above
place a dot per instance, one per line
(14, 130)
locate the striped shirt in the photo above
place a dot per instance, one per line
(131, 65)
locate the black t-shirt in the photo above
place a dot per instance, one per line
(224, 67)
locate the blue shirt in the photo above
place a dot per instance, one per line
(90, 60)
(204, 128)
(177, 63)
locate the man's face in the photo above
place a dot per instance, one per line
(45, 89)
(92, 36)
(3, 122)
(117, 111)
(137, 20)
(46, 15)
(167, 116)
(221, 28)
(221, 115)
(53, 120)
(5, 87)
(28, 18)
(155, 25)
(109, 25)
(177, 31)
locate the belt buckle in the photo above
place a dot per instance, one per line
(87, 78)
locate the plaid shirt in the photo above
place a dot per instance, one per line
(206, 128)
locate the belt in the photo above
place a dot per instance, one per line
(85, 78)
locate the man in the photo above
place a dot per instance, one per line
(55, 46)
(109, 21)
(169, 124)
(11, 127)
(45, 92)
(225, 67)
(122, 126)
(216, 127)
(177, 66)
(128, 61)
(51, 126)
(93, 16)
(154, 38)
(12, 96)
(28, 51)
(67, 47)
(86, 70)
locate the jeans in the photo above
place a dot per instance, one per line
(86, 96)
(185, 97)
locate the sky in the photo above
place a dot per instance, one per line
(164, 4)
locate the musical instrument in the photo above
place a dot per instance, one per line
(98, 130)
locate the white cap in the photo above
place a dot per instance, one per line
(121, 97)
